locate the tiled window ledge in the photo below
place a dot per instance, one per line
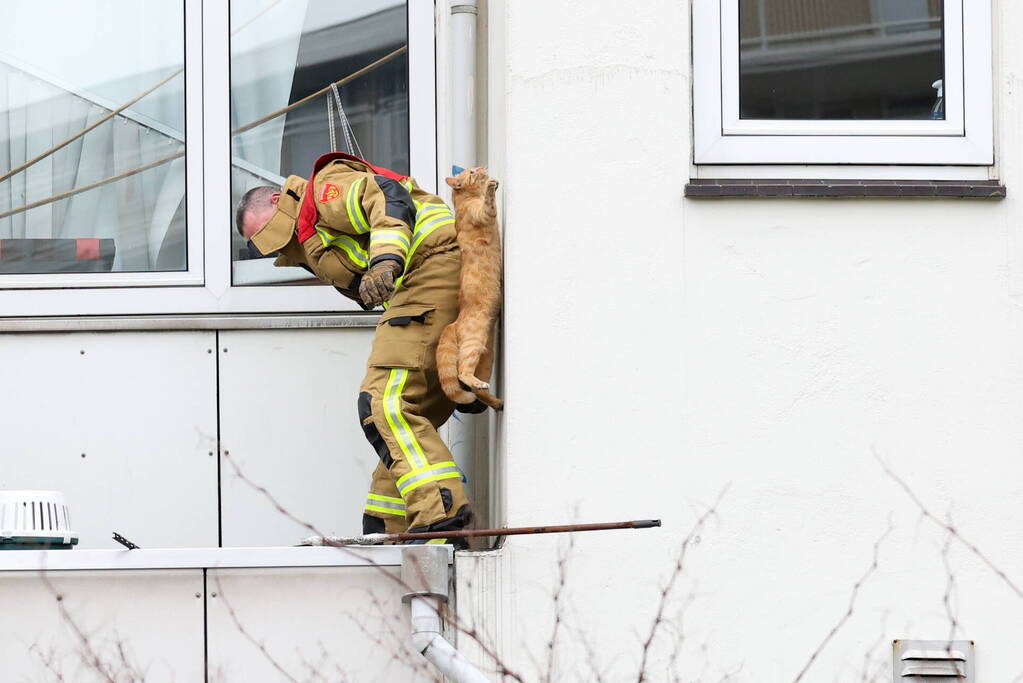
(755, 188)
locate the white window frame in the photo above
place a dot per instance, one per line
(206, 287)
(965, 138)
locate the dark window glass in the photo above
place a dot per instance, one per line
(841, 59)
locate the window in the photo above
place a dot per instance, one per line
(111, 200)
(128, 130)
(842, 82)
(287, 57)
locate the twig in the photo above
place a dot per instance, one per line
(953, 622)
(675, 576)
(89, 655)
(133, 673)
(48, 661)
(852, 604)
(680, 635)
(948, 527)
(417, 664)
(559, 590)
(248, 636)
(866, 674)
(596, 675)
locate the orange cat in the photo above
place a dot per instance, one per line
(465, 352)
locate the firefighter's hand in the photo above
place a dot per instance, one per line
(378, 283)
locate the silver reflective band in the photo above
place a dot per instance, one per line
(417, 477)
(376, 503)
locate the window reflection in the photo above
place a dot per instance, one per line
(289, 50)
(841, 59)
(111, 198)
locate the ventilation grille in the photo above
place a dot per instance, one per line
(933, 661)
(35, 515)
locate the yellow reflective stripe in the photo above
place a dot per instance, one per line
(385, 499)
(396, 238)
(418, 477)
(430, 210)
(429, 217)
(387, 505)
(437, 541)
(403, 248)
(426, 480)
(385, 511)
(407, 184)
(424, 231)
(347, 244)
(397, 235)
(396, 420)
(354, 207)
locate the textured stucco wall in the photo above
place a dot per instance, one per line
(658, 349)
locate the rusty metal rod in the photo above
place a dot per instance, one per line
(376, 539)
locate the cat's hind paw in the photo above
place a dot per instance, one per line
(474, 383)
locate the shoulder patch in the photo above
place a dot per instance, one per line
(329, 192)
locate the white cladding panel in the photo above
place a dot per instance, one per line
(658, 349)
(289, 421)
(139, 625)
(345, 624)
(125, 424)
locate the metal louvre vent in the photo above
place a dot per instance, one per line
(933, 661)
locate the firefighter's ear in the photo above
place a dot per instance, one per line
(454, 183)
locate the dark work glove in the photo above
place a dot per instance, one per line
(378, 283)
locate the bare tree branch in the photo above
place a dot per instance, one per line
(949, 528)
(950, 583)
(596, 674)
(558, 597)
(852, 604)
(680, 564)
(248, 636)
(88, 654)
(869, 671)
(48, 660)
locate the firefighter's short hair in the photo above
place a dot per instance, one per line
(257, 196)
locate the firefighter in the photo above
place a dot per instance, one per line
(381, 239)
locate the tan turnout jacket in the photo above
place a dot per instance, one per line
(350, 216)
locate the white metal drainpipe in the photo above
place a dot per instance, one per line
(425, 576)
(427, 640)
(463, 82)
(461, 429)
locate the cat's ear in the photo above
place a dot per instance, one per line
(455, 183)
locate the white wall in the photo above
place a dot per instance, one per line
(658, 349)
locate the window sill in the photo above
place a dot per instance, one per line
(762, 188)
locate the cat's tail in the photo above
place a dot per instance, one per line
(488, 398)
(447, 367)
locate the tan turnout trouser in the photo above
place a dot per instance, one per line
(416, 485)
